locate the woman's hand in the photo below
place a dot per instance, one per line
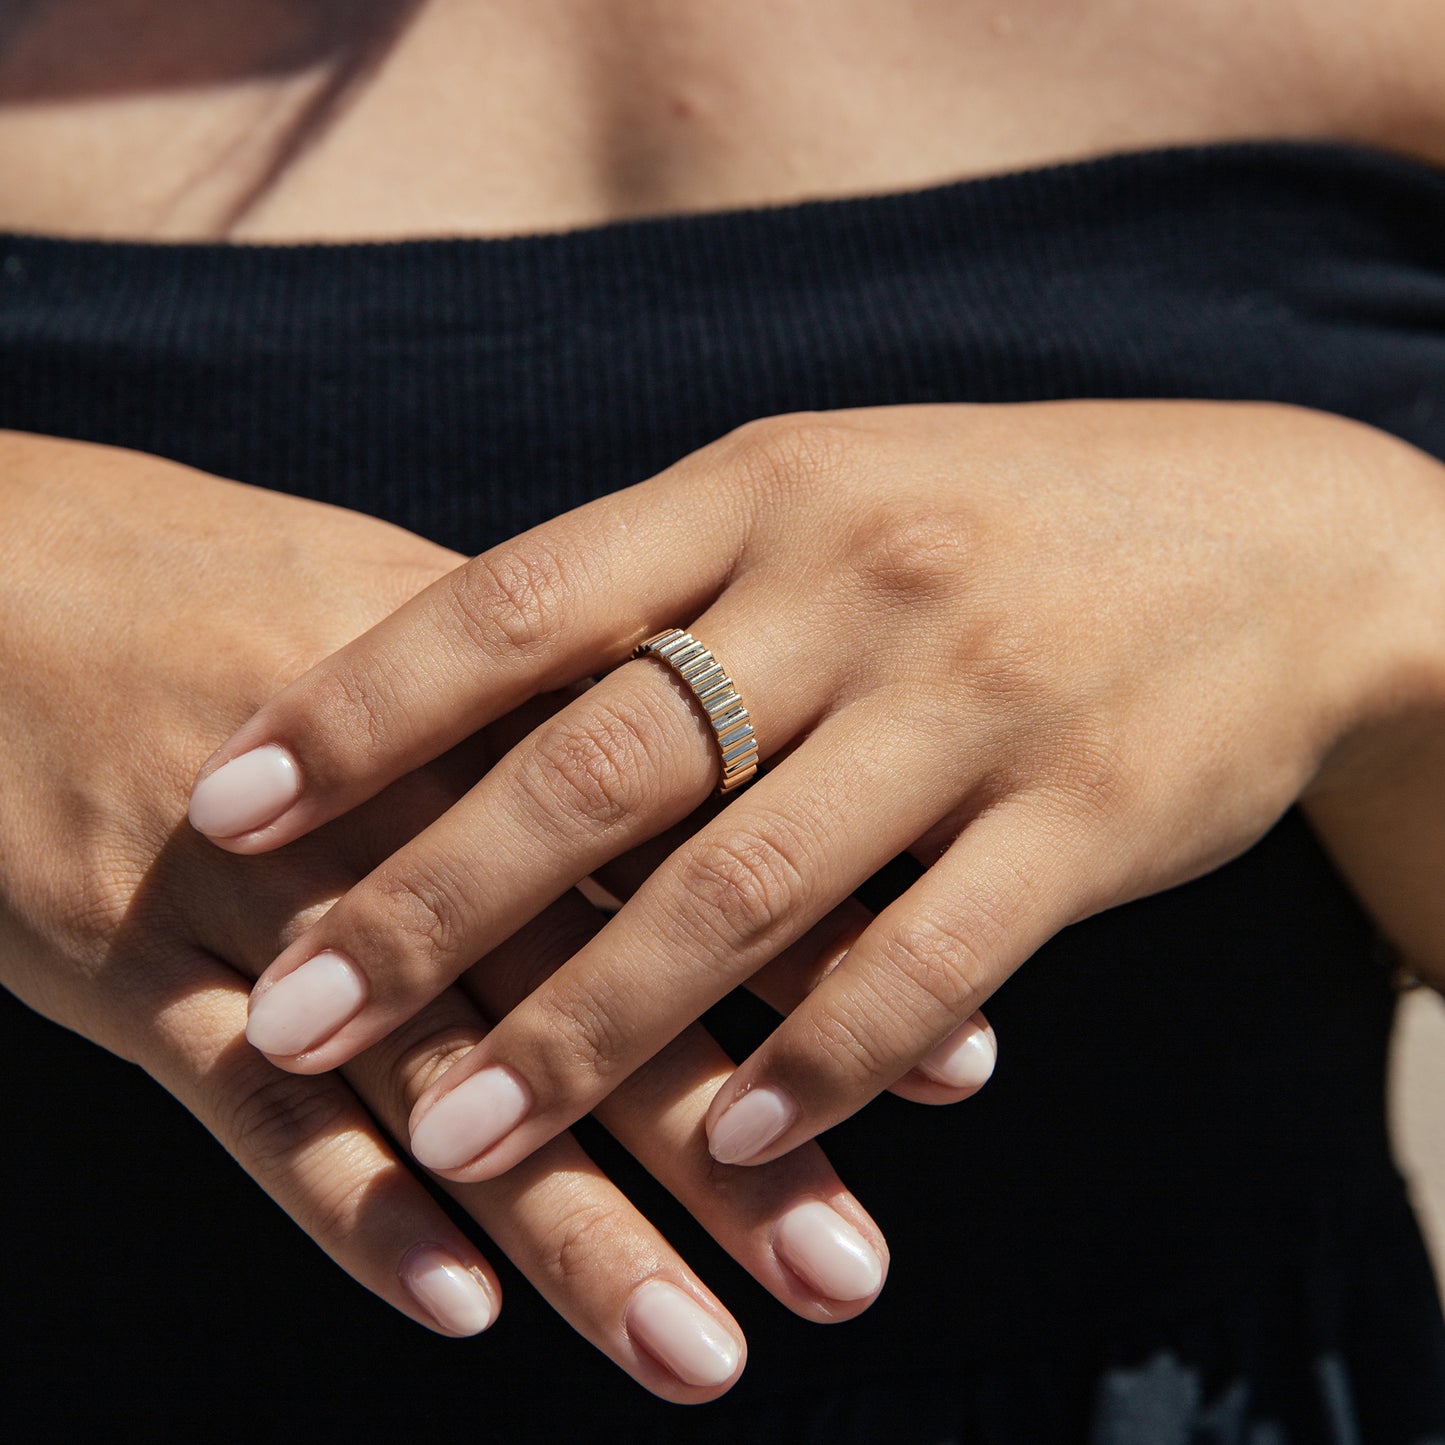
(145, 608)
(1069, 654)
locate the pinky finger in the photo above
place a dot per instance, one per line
(956, 1069)
(1012, 879)
(319, 1154)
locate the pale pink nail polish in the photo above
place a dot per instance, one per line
(964, 1060)
(246, 793)
(751, 1124)
(469, 1119)
(453, 1295)
(826, 1252)
(671, 1326)
(306, 1007)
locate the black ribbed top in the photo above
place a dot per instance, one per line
(530, 373)
(1182, 1153)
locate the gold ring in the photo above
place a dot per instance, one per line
(714, 689)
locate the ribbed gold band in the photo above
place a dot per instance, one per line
(714, 689)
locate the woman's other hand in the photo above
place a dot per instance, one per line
(1069, 654)
(145, 608)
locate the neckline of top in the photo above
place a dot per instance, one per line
(1026, 185)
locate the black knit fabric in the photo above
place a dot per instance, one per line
(1172, 1215)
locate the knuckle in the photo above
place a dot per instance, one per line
(350, 704)
(1090, 773)
(514, 597)
(277, 1116)
(786, 452)
(581, 1242)
(851, 1038)
(110, 904)
(105, 893)
(580, 1042)
(919, 557)
(742, 887)
(595, 765)
(415, 913)
(940, 966)
(413, 1057)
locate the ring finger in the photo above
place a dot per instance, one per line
(744, 888)
(955, 1070)
(615, 767)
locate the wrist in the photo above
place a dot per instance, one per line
(1392, 617)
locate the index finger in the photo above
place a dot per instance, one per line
(560, 602)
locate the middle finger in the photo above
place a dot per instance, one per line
(625, 761)
(743, 889)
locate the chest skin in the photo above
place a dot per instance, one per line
(347, 119)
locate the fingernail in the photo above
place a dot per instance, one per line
(673, 1327)
(751, 1124)
(965, 1059)
(453, 1295)
(469, 1119)
(306, 1007)
(245, 793)
(826, 1252)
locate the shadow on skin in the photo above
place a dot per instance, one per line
(260, 903)
(68, 50)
